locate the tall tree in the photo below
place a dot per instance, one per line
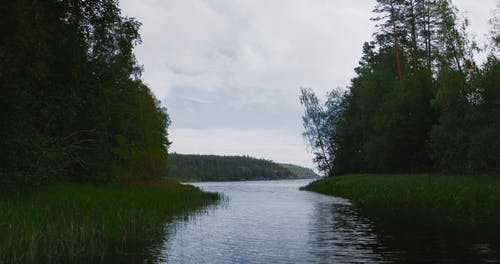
(414, 84)
(313, 120)
(391, 28)
(495, 30)
(72, 104)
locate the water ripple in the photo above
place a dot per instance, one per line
(274, 222)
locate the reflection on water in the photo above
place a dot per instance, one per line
(339, 234)
(415, 242)
(274, 222)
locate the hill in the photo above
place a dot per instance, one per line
(189, 167)
(300, 172)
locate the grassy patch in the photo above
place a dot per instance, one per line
(450, 198)
(69, 222)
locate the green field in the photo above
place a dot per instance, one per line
(459, 199)
(69, 222)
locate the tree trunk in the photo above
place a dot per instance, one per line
(396, 44)
(413, 36)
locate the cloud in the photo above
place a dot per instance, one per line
(195, 100)
(273, 45)
(224, 66)
(177, 36)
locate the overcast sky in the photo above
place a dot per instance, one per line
(229, 72)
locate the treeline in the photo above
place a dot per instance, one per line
(300, 172)
(188, 167)
(418, 102)
(72, 105)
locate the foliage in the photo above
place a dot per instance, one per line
(299, 172)
(449, 198)
(224, 168)
(72, 104)
(473, 119)
(319, 126)
(495, 30)
(71, 223)
(418, 102)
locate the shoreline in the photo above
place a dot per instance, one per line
(458, 200)
(68, 222)
(242, 180)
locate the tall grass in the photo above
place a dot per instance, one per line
(71, 223)
(450, 198)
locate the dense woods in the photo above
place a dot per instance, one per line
(186, 167)
(72, 102)
(418, 102)
(298, 171)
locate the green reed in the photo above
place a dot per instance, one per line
(72, 223)
(450, 198)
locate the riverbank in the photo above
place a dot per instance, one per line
(448, 199)
(70, 222)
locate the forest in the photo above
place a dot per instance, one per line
(300, 172)
(73, 106)
(83, 139)
(189, 167)
(419, 101)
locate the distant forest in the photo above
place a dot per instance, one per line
(299, 171)
(418, 103)
(186, 167)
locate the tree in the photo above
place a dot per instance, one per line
(417, 100)
(316, 129)
(391, 29)
(495, 31)
(72, 103)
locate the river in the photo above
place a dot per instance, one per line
(274, 222)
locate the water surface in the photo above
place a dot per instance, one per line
(274, 222)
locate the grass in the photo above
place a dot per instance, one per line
(71, 223)
(459, 199)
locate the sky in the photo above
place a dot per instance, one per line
(230, 71)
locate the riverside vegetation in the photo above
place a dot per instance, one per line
(419, 103)
(442, 198)
(83, 140)
(70, 222)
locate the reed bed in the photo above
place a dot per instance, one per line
(79, 223)
(448, 198)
